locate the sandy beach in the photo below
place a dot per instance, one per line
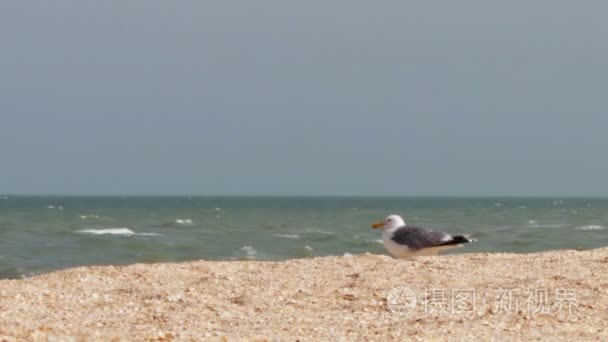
(560, 295)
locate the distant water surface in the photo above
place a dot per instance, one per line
(44, 233)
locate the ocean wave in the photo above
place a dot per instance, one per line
(362, 241)
(114, 231)
(107, 231)
(534, 224)
(184, 221)
(316, 231)
(318, 235)
(178, 222)
(591, 227)
(89, 217)
(14, 272)
(54, 207)
(303, 252)
(248, 252)
(309, 251)
(288, 236)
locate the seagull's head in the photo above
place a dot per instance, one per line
(390, 222)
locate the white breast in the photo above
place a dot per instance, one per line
(395, 249)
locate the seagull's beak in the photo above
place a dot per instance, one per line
(378, 224)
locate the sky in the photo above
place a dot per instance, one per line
(366, 98)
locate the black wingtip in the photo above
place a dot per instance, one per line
(462, 239)
(458, 239)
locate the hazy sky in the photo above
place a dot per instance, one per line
(304, 97)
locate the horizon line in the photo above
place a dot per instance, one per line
(298, 195)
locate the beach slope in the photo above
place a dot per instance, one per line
(560, 295)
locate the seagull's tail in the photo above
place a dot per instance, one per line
(458, 239)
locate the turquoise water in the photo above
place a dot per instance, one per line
(40, 234)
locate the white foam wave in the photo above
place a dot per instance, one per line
(250, 252)
(591, 227)
(89, 217)
(309, 251)
(107, 231)
(114, 231)
(288, 236)
(184, 221)
(534, 224)
(316, 231)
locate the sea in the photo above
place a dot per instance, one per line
(41, 234)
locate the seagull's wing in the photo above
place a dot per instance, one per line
(418, 238)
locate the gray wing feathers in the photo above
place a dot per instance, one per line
(417, 238)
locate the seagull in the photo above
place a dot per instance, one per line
(403, 241)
